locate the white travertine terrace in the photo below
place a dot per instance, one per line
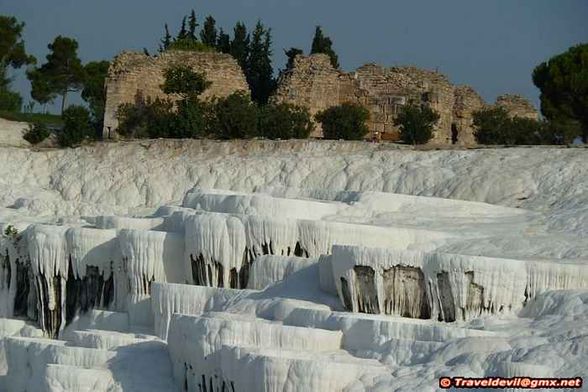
(257, 268)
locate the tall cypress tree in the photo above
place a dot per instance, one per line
(183, 33)
(259, 69)
(208, 35)
(166, 40)
(223, 42)
(240, 45)
(192, 25)
(323, 44)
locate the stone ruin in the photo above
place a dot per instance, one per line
(134, 77)
(313, 83)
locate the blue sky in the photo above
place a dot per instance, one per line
(492, 45)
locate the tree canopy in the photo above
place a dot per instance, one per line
(209, 34)
(563, 81)
(416, 123)
(495, 126)
(240, 44)
(183, 80)
(346, 121)
(323, 44)
(62, 73)
(12, 55)
(259, 69)
(93, 92)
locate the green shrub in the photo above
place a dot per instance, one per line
(10, 101)
(416, 123)
(561, 131)
(235, 117)
(192, 121)
(284, 121)
(76, 126)
(183, 80)
(37, 133)
(346, 121)
(149, 119)
(495, 126)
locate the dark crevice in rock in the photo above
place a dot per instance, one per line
(447, 303)
(475, 296)
(346, 295)
(405, 292)
(6, 270)
(367, 294)
(23, 290)
(299, 251)
(89, 292)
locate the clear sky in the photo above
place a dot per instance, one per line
(492, 45)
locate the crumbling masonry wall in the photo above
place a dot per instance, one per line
(133, 77)
(517, 106)
(313, 83)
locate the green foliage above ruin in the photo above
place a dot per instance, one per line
(323, 44)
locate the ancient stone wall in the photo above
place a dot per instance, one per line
(135, 76)
(467, 102)
(388, 89)
(517, 106)
(315, 84)
(312, 83)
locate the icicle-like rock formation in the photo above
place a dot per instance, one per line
(168, 299)
(149, 256)
(442, 286)
(219, 351)
(221, 247)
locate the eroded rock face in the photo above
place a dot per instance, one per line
(313, 83)
(135, 77)
(405, 292)
(442, 286)
(467, 102)
(446, 299)
(517, 106)
(367, 293)
(92, 291)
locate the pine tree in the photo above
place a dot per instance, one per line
(166, 40)
(62, 73)
(182, 33)
(192, 25)
(223, 42)
(12, 55)
(240, 45)
(323, 44)
(208, 35)
(259, 69)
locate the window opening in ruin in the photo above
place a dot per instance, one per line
(454, 134)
